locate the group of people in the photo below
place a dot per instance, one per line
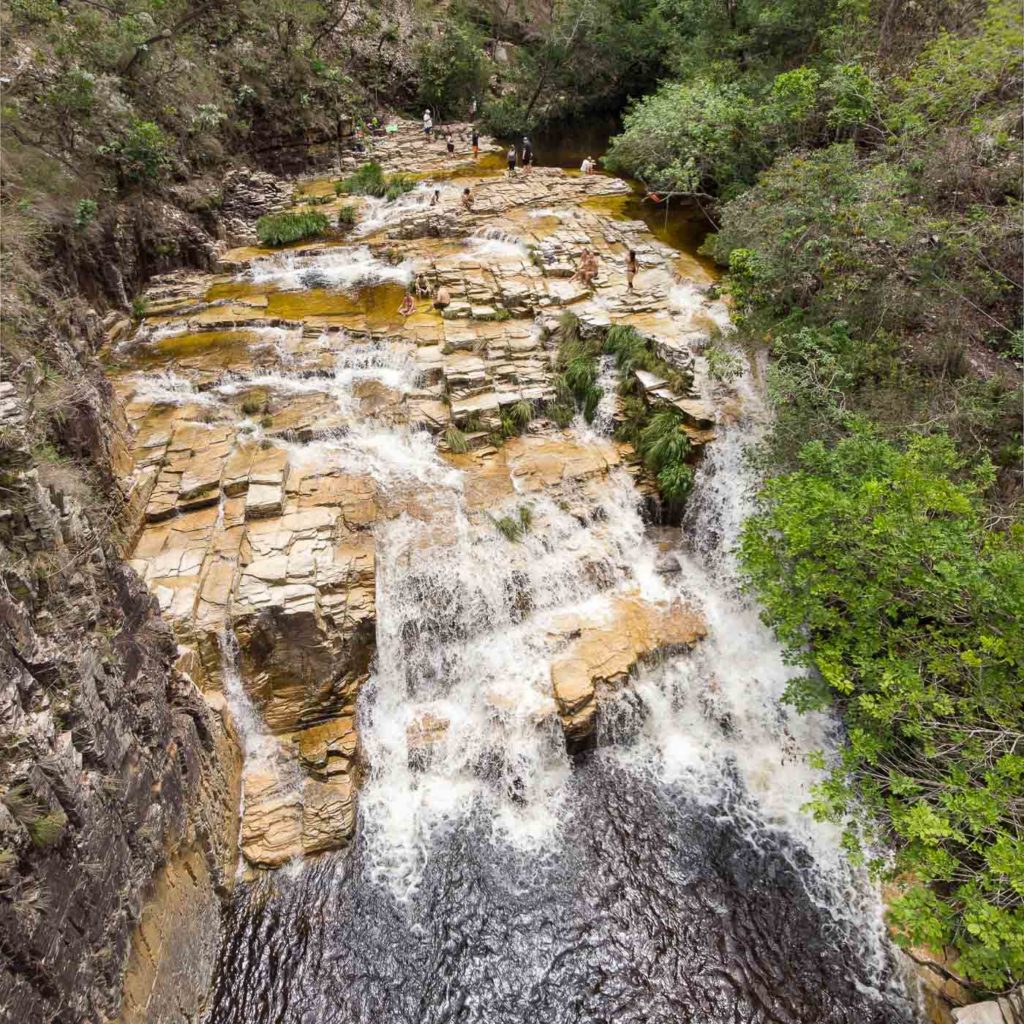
(442, 297)
(512, 157)
(587, 268)
(523, 157)
(449, 139)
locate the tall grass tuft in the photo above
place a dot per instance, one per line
(456, 441)
(370, 180)
(282, 228)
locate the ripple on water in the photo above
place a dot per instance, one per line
(652, 909)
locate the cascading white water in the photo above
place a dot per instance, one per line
(333, 267)
(378, 213)
(467, 627)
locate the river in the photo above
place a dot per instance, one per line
(666, 874)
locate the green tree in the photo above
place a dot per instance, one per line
(451, 70)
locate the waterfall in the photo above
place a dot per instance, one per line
(497, 872)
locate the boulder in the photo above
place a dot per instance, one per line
(604, 654)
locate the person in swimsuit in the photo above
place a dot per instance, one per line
(436, 197)
(449, 143)
(510, 156)
(630, 270)
(408, 306)
(443, 298)
(476, 141)
(467, 200)
(527, 154)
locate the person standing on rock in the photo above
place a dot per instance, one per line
(449, 142)
(436, 197)
(467, 200)
(510, 156)
(476, 141)
(630, 270)
(527, 155)
(428, 124)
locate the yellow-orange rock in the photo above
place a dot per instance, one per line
(605, 653)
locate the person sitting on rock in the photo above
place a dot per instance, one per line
(587, 270)
(582, 267)
(467, 200)
(408, 305)
(510, 156)
(428, 124)
(422, 286)
(443, 298)
(436, 197)
(449, 142)
(586, 166)
(476, 140)
(630, 270)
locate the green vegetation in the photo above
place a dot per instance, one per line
(656, 432)
(85, 212)
(347, 218)
(878, 555)
(514, 527)
(575, 55)
(576, 382)
(455, 440)
(48, 829)
(283, 228)
(370, 180)
(451, 70)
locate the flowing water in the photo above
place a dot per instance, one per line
(668, 874)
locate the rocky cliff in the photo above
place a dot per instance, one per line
(118, 779)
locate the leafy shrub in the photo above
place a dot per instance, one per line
(85, 212)
(877, 572)
(957, 76)
(451, 69)
(662, 442)
(347, 217)
(142, 153)
(282, 228)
